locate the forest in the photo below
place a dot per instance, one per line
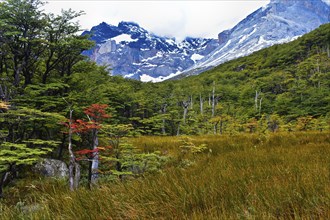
(56, 103)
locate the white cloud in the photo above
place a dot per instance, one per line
(167, 18)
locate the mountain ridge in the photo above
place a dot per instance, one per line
(278, 22)
(136, 53)
(133, 52)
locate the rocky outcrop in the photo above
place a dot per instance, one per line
(223, 37)
(51, 168)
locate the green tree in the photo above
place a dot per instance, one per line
(25, 136)
(63, 46)
(22, 38)
(37, 45)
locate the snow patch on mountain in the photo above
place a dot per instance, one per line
(133, 52)
(278, 22)
(124, 37)
(147, 78)
(196, 57)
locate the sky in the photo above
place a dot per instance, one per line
(170, 18)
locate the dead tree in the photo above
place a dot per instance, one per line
(163, 111)
(201, 104)
(185, 106)
(257, 102)
(74, 169)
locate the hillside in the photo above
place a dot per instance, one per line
(292, 78)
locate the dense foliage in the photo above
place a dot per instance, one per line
(41, 64)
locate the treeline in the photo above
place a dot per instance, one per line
(43, 77)
(284, 87)
(281, 88)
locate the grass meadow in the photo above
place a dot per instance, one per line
(247, 176)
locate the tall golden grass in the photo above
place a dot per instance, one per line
(250, 176)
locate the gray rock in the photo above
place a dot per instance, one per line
(51, 168)
(28, 209)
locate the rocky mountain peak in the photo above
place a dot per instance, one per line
(279, 22)
(132, 28)
(134, 52)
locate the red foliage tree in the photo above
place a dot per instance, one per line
(96, 114)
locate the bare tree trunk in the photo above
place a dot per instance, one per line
(191, 102)
(72, 157)
(18, 67)
(215, 128)
(201, 104)
(256, 100)
(185, 105)
(213, 99)
(317, 66)
(163, 110)
(221, 127)
(260, 106)
(2, 94)
(95, 159)
(2, 182)
(185, 111)
(328, 50)
(178, 130)
(76, 175)
(16, 78)
(209, 100)
(74, 168)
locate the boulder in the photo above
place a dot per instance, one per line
(51, 168)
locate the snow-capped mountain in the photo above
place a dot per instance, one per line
(278, 22)
(133, 52)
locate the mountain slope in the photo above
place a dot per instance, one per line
(133, 52)
(278, 22)
(292, 79)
